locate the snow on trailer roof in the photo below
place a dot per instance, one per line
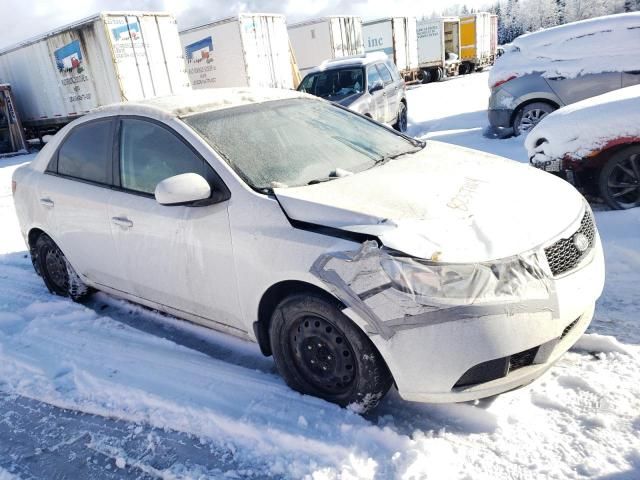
(320, 20)
(584, 128)
(230, 19)
(77, 24)
(603, 44)
(205, 100)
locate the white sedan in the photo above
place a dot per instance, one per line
(358, 257)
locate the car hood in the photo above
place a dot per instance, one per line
(444, 203)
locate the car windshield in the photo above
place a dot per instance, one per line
(296, 142)
(334, 84)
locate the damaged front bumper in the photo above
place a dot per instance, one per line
(453, 332)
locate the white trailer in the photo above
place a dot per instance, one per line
(315, 41)
(248, 50)
(107, 58)
(395, 36)
(438, 47)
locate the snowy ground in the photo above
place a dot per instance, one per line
(112, 390)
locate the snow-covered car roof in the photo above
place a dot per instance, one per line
(351, 61)
(204, 100)
(587, 127)
(603, 44)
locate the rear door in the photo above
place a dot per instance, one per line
(572, 90)
(391, 91)
(176, 256)
(378, 96)
(76, 191)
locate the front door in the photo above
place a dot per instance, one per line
(391, 93)
(177, 256)
(375, 85)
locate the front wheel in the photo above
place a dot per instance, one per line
(401, 122)
(529, 116)
(57, 273)
(620, 179)
(320, 352)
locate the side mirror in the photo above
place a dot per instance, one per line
(182, 189)
(376, 86)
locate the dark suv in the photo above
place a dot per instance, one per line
(369, 84)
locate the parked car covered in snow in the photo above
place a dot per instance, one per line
(542, 71)
(595, 144)
(369, 84)
(357, 256)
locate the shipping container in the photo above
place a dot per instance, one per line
(494, 38)
(438, 47)
(12, 138)
(475, 41)
(315, 41)
(396, 37)
(107, 58)
(248, 50)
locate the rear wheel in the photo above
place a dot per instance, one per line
(620, 179)
(57, 273)
(529, 116)
(427, 76)
(320, 352)
(439, 74)
(401, 122)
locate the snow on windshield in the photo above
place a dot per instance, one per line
(587, 126)
(604, 44)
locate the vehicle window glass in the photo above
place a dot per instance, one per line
(294, 142)
(334, 84)
(86, 152)
(384, 73)
(373, 76)
(150, 153)
(393, 69)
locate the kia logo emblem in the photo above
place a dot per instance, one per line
(581, 241)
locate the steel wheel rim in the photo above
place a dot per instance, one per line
(531, 118)
(56, 269)
(322, 354)
(624, 182)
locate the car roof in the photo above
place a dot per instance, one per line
(204, 100)
(352, 61)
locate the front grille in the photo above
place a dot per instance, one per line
(568, 328)
(522, 359)
(563, 255)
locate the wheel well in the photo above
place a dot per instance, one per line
(270, 300)
(528, 102)
(33, 236)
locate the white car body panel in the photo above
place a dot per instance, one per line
(213, 264)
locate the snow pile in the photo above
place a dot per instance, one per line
(604, 44)
(588, 126)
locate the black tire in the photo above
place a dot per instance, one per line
(427, 76)
(320, 352)
(439, 74)
(530, 115)
(56, 271)
(401, 122)
(619, 180)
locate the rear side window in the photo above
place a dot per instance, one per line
(393, 69)
(86, 153)
(384, 73)
(150, 153)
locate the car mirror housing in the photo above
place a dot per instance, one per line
(183, 189)
(375, 87)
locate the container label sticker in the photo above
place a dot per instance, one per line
(127, 32)
(200, 66)
(69, 58)
(71, 66)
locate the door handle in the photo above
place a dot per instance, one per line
(123, 222)
(47, 202)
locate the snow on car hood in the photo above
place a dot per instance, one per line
(604, 44)
(586, 127)
(444, 203)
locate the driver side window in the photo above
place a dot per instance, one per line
(373, 77)
(150, 153)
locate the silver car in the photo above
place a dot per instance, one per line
(368, 84)
(543, 71)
